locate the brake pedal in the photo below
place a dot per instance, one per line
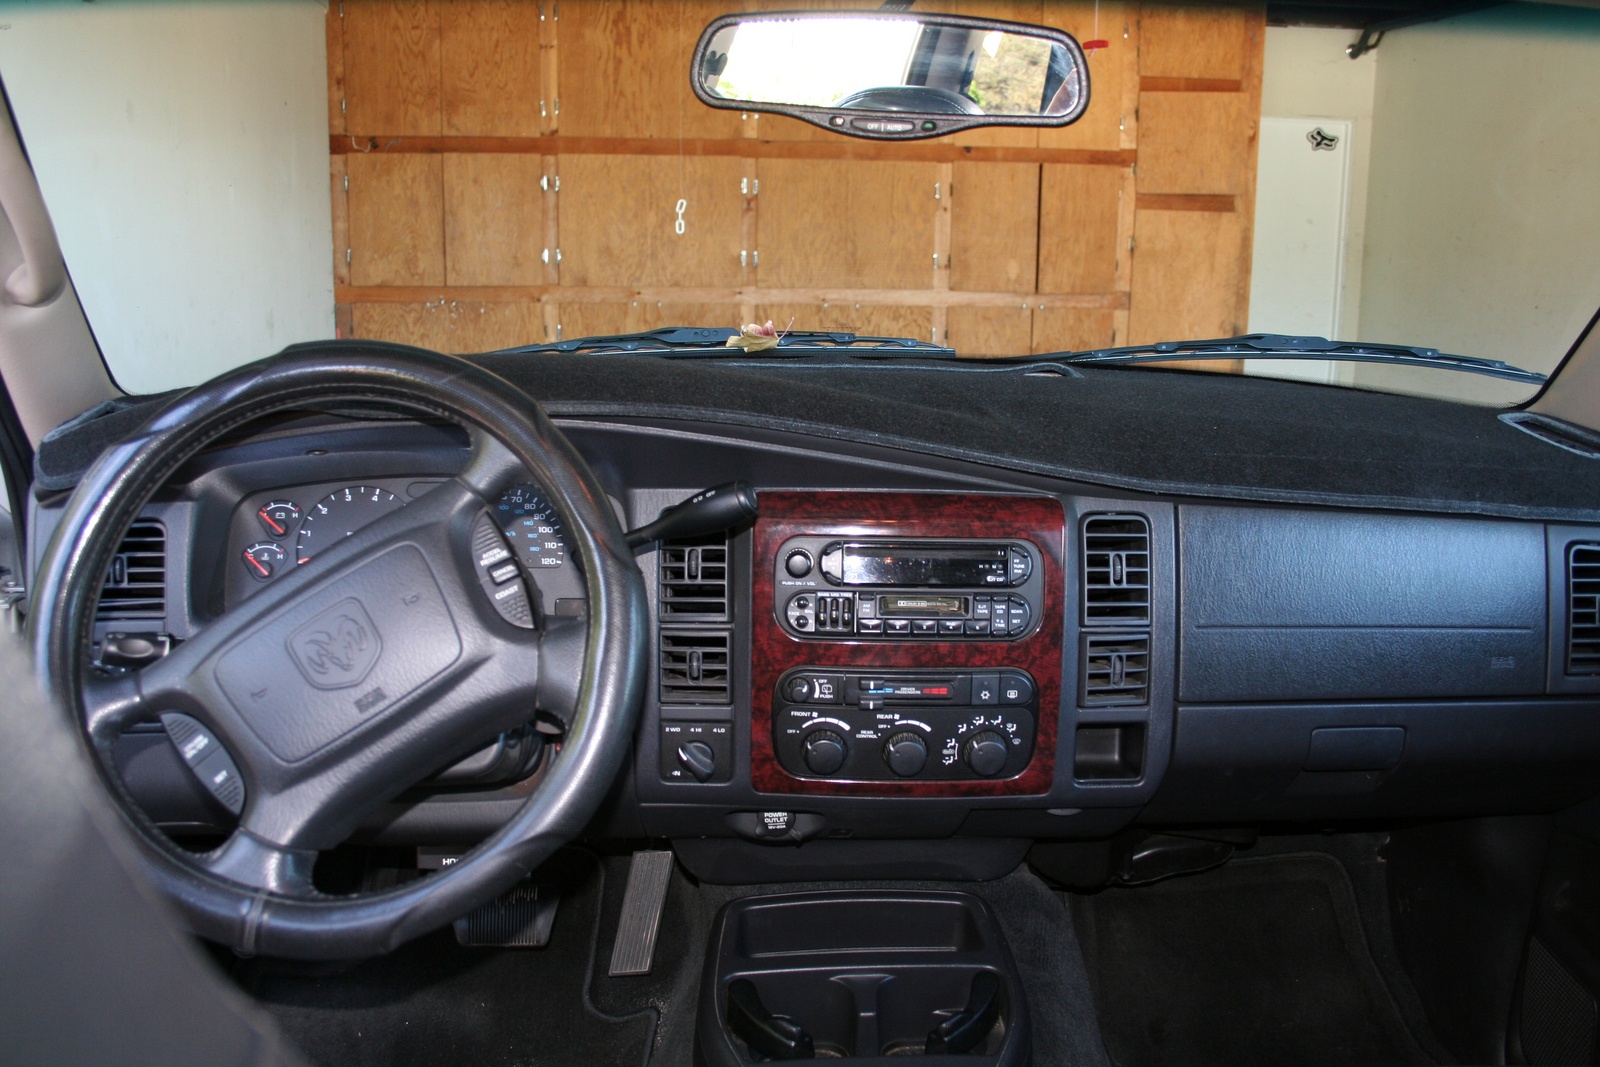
(635, 947)
(521, 917)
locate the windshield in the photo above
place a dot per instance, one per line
(229, 178)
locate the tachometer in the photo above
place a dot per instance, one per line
(340, 514)
(532, 527)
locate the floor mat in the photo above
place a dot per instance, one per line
(432, 1002)
(1262, 961)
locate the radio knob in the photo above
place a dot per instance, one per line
(798, 564)
(985, 753)
(906, 754)
(824, 752)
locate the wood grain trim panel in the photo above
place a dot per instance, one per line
(1040, 520)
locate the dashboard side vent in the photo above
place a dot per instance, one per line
(1583, 609)
(136, 585)
(1116, 570)
(694, 667)
(694, 580)
(1564, 435)
(1116, 669)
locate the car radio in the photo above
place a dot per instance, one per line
(901, 590)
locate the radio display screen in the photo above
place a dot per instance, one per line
(923, 565)
(922, 605)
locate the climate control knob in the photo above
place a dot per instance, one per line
(825, 752)
(985, 753)
(906, 754)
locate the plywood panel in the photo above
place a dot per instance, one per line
(588, 319)
(991, 331)
(391, 67)
(830, 223)
(617, 220)
(493, 220)
(624, 70)
(1079, 244)
(489, 67)
(448, 326)
(863, 319)
(1186, 271)
(396, 220)
(994, 227)
(1112, 118)
(1197, 143)
(1198, 41)
(1073, 329)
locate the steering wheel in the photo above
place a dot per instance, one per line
(344, 682)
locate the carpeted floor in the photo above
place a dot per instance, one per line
(1263, 961)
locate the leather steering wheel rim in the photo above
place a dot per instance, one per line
(273, 911)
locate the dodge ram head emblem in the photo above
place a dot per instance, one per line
(338, 648)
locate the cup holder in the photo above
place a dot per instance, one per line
(861, 977)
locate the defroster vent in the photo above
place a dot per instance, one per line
(1583, 609)
(1116, 570)
(136, 585)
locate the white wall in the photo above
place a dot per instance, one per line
(183, 152)
(1483, 212)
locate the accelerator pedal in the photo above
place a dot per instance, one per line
(635, 948)
(521, 917)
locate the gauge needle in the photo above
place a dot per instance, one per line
(258, 565)
(270, 521)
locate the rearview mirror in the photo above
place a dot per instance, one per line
(891, 75)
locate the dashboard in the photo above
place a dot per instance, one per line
(903, 646)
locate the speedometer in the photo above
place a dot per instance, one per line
(532, 527)
(340, 514)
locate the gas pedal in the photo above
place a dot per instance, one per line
(648, 877)
(521, 917)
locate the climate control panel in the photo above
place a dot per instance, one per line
(897, 724)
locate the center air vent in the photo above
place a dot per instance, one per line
(136, 585)
(695, 612)
(1116, 571)
(1116, 669)
(1583, 609)
(694, 667)
(694, 580)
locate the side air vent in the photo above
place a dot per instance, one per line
(694, 667)
(136, 585)
(1583, 609)
(694, 580)
(1116, 669)
(1116, 571)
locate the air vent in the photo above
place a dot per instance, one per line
(1583, 609)
(136, 585)
(1116, 669)
(694, 580)
(694, 667)
(1116, 570)
(1564, 435)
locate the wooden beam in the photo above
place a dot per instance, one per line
(1186, 202)
(842, 149)
(559, 294)
(1150, 84)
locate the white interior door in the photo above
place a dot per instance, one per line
(1297, 270)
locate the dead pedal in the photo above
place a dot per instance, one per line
(634, 950)
(521, 917)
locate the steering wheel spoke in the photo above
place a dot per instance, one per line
(111, 704)
(247, 860)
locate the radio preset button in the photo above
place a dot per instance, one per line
(898, 626)
(981, 606)
(869, 626)
(950, 626)
(925, 627)
(977, 627)
(798, 564)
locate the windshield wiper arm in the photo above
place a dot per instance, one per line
(1282, 346)
(712, 342)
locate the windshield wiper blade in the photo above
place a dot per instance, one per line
(1283, 346)
(712, 342)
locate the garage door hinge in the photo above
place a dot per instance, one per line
(341, 105)
(347, 183)
(750, 187)
(548, 182)
(347, 256)
(544, 256)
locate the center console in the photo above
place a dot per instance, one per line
(906, 644)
